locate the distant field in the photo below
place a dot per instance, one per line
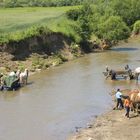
(16, 19)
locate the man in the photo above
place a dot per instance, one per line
(1, 81)
(119, 104)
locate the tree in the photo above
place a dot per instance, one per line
(127, 9)
(10, 3)
(136, 28)
(84, 28)
(113, 29)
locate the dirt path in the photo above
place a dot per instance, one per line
(112, 126)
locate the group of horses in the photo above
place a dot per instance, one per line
(126, 73)
(14, 80)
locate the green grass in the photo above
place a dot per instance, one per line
(17, 19)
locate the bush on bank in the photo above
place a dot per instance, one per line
(109, 20)
(113, 29)
(136, 27)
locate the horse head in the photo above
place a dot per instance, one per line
(127, 67)
(18, 73)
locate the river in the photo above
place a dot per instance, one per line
(59, 99)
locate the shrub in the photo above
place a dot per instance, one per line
(73, 14)
(84, 27)
(113, 29)
(136, 27)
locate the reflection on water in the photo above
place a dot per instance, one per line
(8, 95)
(125, 49)
(62, 98)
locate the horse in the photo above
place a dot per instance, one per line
(137, 73)
(23, 76)
(18, 73)
(110, 73)
(135, 99)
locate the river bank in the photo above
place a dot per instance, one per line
(111, 126)
(34, 59)
(38, 52)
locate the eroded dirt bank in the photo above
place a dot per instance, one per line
(38, 52)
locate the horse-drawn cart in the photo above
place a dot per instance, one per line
(13, 80)
(10, 83)
(125, 73)
(119, 74)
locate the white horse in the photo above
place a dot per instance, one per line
(137, 72)
(23, 77)
(18, 73)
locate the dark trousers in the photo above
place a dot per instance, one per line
(119, 103)
(127, 108)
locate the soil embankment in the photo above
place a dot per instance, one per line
(41, 51)
(37, 52)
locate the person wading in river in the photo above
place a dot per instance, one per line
(119, 104)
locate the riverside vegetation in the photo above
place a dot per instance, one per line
(48, 36)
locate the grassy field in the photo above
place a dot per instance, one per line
(17, 19)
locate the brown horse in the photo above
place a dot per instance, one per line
(135, 99)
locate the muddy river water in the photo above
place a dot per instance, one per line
(58, 100)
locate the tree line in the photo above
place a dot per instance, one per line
(108, 20)
(40, 3)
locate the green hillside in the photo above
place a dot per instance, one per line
(21, 18)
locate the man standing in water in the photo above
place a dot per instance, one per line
(119, 104)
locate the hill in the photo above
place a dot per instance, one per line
(15, 19)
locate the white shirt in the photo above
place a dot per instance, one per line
(118, 95)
